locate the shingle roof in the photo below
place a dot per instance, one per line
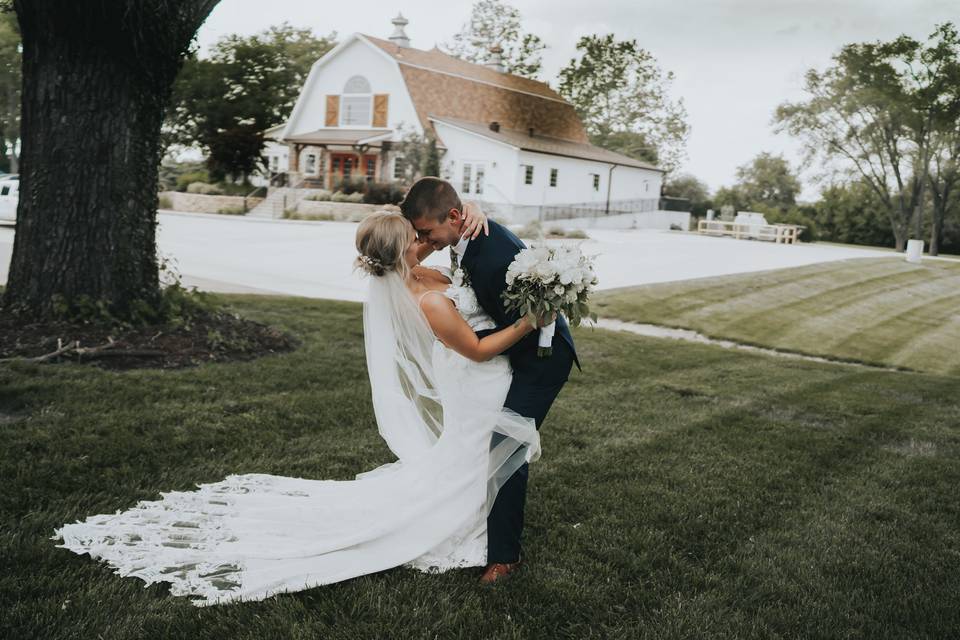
(339, 136)
(444, 86)
(546, 144)
(437, 60)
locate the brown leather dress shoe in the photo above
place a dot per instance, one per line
(498, 571)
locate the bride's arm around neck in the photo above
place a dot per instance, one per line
(451, 329)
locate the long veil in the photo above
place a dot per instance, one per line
(407, 389)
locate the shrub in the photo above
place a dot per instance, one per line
(383, 193)
(320, 196)
(232, 211)
(354, 197)
(353, 185)
(164, 203)
(292, 214)
(234, 189)
(184, 181)
(577, 234)
(203, 188)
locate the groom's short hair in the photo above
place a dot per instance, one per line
(431, 197)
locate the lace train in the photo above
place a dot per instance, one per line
(250, 536)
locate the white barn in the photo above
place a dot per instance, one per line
(512, 143)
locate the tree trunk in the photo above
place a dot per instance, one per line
(941, 195)
(900, 227)
(96, 79)
(936, 231)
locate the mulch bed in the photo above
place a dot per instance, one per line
(210, 337)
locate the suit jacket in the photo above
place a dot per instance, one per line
(486, 261)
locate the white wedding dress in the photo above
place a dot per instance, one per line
(254, 535)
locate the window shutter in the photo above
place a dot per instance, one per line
(333, 111)
(380, 102)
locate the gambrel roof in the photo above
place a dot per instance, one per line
(441, 85)
(528, 113)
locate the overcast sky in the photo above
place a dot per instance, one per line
(734, 60)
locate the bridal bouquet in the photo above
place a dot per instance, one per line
(543, 280)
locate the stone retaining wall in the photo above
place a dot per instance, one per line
(344, 211)
(197, 203)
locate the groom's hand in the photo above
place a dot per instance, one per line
(474, 220)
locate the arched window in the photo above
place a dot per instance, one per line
(357, 84)
(356, 103)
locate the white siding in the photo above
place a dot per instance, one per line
(505, 175)
(329, 77)
(499, 160)
(277, 155)
(575, 181)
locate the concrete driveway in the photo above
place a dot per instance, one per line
(314, 259)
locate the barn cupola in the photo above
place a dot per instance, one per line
(399, 36)
(495, 59)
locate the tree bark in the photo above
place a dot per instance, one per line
(96, 78)
(941, 196)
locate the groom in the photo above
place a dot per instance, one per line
(434, 208)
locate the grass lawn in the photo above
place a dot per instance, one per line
(685, 491)
(883, 311)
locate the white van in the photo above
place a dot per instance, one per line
(9, 196)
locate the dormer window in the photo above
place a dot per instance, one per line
(356, 103)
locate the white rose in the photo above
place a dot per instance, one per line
(569, 276)
(558, 290)
(545, 271)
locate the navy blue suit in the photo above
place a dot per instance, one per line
(536, 381)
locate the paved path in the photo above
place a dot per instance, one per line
(656, 331)
(314, 259)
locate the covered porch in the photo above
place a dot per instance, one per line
(324, 158)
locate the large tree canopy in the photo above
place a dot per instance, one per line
(691, 188)
(224, 103)
(622, 96)
(877, 111)
(495, 23)
(96, 79)
(768, 180)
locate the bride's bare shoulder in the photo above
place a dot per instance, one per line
(431, 275)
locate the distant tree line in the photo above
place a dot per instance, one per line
(883, 123)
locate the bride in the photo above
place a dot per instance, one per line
(438, 394)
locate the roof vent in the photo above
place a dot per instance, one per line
(399, 36)
(495, 126)
(495, 60)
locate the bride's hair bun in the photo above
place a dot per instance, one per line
(382, 241)
(371, 265)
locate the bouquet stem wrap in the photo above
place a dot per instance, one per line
(544, 347)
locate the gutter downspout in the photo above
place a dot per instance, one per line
(606, 211)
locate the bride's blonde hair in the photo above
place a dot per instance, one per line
(382, 241)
